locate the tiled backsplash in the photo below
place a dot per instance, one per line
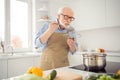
(107, 38)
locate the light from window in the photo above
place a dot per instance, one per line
(2, 20)
(19, 24)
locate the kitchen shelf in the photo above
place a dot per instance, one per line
(44, 1)
(42, 10)
(43, 20)
(42, 13)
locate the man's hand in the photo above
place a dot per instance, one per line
(53, 26)
(71, 44)
(51, 29)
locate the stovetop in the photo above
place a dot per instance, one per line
(111, 68)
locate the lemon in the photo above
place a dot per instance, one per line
(118, 72)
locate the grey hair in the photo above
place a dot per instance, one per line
(62, 9)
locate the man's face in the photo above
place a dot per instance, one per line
(65, 18)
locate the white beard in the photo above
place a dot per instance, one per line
(63, 25)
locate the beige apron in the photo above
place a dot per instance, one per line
(56, 52)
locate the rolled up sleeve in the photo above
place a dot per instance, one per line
(38, 43)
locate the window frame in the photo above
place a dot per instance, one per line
(7, 28)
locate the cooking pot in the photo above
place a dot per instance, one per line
(94, 61)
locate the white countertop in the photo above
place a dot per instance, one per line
(83, 73)
(116, 54)
(31, 54)
(19, 55)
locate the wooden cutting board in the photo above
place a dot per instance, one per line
(65, 75)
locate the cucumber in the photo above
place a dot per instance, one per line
(52, 75)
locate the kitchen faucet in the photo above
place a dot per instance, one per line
(11, 49)
(2, 45)
(3, 48)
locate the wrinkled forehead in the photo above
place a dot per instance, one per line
(67, 11)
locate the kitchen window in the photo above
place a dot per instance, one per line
(17, 31)
(2, 21)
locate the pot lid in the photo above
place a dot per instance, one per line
(90, 54)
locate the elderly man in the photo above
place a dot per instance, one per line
(56, 39)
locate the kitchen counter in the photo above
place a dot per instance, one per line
(33, 59)
(79, 72)
(31, 54)
(30, 58)
(116, 54)
(19, 55)
(17, 64)
(82, 73)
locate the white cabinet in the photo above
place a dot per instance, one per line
(10, 67)
(75, 59)
(41, 13)
(3, 69)
(113, 12)
(36, 61)
(18, 66)
(90, 14)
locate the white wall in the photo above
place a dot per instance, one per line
(90, 14)
(98, 22)
(107, 38)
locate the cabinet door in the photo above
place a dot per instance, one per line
(75, 59)
(3, 69)
(19, 66)
(113, 12)
(89, 14)
(36, 61)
